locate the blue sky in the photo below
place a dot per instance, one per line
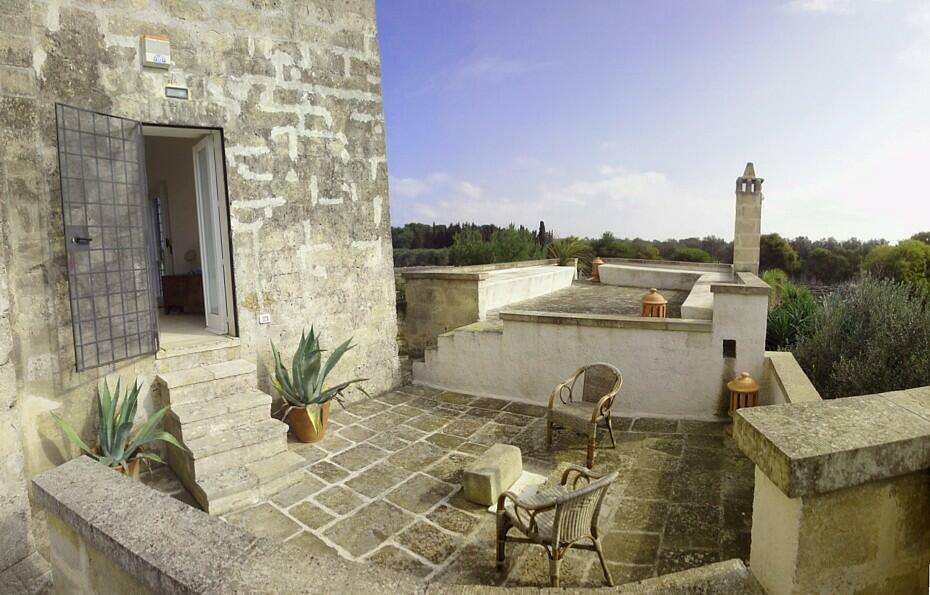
(636, 117)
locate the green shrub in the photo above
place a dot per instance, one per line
(421, 257)
(869, 337)
(790, 310)
(469, 247)
(690, 255)
(908, 261)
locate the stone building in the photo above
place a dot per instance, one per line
(225, 160)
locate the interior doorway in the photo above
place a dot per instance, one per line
(189, 213)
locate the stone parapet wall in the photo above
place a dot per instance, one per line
(112, 535)
(441, 300)
(842, 499)
(785, 382)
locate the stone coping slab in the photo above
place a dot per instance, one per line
(170, 547)
(791, 379)
(816, 447)
(608, 321)
(474, 272)
(717, 267)
(747, 284)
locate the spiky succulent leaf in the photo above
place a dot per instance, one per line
(73, 436)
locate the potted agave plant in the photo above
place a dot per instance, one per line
(118, 446)
(306, 401)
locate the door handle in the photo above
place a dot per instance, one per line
(81, 240)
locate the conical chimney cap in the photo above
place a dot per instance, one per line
(750, 171)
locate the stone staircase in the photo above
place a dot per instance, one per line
(238, 452)
(460, 357)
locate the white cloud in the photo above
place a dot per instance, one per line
(623, 200)
(918, 50)
(821, 6)
(494, 67)
(414, 187)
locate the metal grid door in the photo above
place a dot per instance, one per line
(107, 237)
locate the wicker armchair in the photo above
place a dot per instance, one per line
(557, 518)
(591, 409)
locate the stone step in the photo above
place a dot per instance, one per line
(217, 452)
(200, 410)
(222, 349)
(186, 431)
(206, 382)
(249, 484)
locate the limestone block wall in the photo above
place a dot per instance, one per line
(842, 498)
(295, 87)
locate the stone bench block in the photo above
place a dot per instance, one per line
(492, 474)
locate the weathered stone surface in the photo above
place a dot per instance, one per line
(428, 541)
(339, 499)
(492, 473)
(394, 558)
(265, 521)
(419, 493)
(815, 447)
(311, 515)
(369, 527)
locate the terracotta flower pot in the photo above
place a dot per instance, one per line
(131, 470)
(299, 421)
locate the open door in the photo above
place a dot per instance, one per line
(111, 266)
(211, 245)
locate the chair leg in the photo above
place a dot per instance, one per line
(600, 556)
(502, 529)
(548, 434)
(610, 429)
(554, 571)
(592, 444)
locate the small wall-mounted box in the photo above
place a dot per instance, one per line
(156, 51)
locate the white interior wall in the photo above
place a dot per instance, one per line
(170, 161)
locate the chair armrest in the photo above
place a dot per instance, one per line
(526, 508)
(579, 473)
(602, 406)
(568, 384)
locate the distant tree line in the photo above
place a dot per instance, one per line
(811, 262)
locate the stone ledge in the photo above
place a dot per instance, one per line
(170, 547)
(608, 321)
(791, 379)
(747, 284)
(473, 272)
(817, 447)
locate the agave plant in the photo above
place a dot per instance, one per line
(303, 386)
(117, 445)
(568, 249)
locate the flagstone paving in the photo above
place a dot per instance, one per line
(384, 486)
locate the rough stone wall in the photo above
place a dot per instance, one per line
(295, 86)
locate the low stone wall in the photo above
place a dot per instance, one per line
(442, 299)
(842, 497)
(112, 535)
(785, 382)
(671, 367)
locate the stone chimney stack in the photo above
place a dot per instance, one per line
(748, 221)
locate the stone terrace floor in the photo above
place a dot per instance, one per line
(384, 486)
(585, 297)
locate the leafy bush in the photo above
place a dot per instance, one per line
(908, 261)
(868, 337)
(790, 310)
(690, 255)
(505, 245)
(470, 248)
(421, 257)
(568, 249)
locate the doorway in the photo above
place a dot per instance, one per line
(185, 178)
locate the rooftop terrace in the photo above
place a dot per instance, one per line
(384, 487)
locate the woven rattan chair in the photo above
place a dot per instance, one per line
(557, 518)
(589, 410)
